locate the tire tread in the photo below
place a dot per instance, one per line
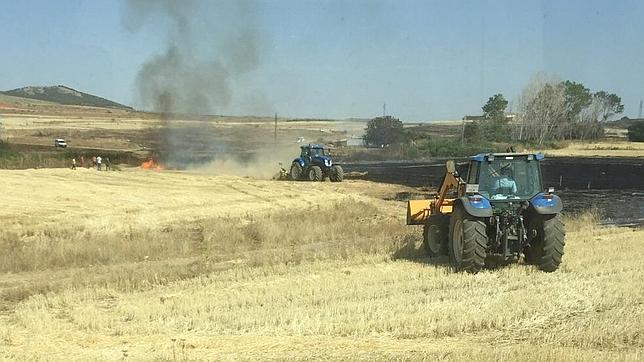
(474, 243)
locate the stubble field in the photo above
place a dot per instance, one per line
(174, 265)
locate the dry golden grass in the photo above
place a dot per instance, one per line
(615, 148)
(135, 132)
(60, 217)
(255, 270)
(83, 227)
(40, 122)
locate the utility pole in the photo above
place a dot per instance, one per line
(640, 114)
(384, 109)
(463, 133)
(275, 132)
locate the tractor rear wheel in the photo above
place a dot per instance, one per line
(467, 241)
(336, 174)
(435, 234)
(546, 246)
(315, 173)
(296, 171)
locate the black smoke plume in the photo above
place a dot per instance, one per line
(209, 46)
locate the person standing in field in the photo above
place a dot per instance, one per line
(108, 164)
(93, 161)
(73, 163)
(98, 162)
(82, 161)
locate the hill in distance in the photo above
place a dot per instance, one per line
(64, 95)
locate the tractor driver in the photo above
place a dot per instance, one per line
(505, 184)
(306, 153)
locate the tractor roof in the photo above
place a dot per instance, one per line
(491, 156)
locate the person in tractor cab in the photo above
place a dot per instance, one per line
(306, 153)
(505, 184)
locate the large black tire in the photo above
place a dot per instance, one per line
(546, 235)
(467, 242)
(315, 173)
(435, 235)
(336, 174)
(296, 171)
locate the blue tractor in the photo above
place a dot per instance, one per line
(499, 209)
(315, 164)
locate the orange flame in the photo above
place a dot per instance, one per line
(151, 164)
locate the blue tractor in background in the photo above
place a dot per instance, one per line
(499, 209)
(315, 164)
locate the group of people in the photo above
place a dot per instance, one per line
(97, 162)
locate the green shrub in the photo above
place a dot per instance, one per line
(443, 147)
(636, 132)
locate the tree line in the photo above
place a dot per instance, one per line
(547, 110)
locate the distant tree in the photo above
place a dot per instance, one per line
(636, 132)
(609, 104)
(495, 107)
(577, 97)
(385, 130)
(543, 110)
(579, 120)
(494, 125)
(550, 109)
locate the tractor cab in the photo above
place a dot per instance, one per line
(314, 153)
(505, 177)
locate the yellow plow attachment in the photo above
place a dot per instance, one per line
(418, 211)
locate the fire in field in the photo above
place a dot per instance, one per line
(151, 164)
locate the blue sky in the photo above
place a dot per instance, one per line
(428, 60)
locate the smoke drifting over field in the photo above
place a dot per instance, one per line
(208, 49)
(204, 55)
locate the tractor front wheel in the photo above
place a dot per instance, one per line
(296, 171)
(336, 174)
(315, 173)
(547, 240)
(435, 234)
(467, 241)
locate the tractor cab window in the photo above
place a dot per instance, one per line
(509, 178)
(317, 152)
(305, 152)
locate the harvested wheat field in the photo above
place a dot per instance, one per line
(172, 265)
(614, 148)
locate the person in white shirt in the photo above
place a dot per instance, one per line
(505, 184)
(98, 162)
